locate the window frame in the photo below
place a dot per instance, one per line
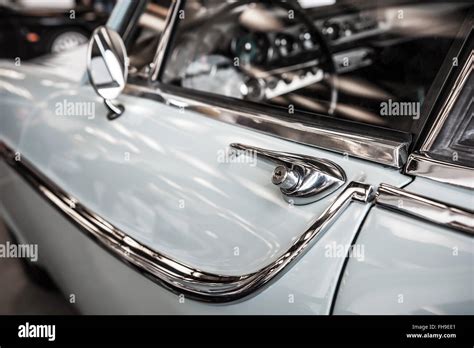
(421, 162)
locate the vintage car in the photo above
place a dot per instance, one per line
(250, 157)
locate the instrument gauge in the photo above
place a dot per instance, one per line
(285, 44)
(251, 48)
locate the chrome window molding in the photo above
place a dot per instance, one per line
(425, 208)
(165, 40)
(422, 163)
(449, 103)
(166, 271)
(449, 173)
(390, 150)
(387, 148)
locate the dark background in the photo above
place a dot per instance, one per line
(20, 295)
(32, 28)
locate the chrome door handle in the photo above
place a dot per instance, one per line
(301, 179)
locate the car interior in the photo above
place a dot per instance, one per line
(336, 58)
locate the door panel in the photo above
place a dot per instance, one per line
(155, 173)
(410, 267)
(455, 195)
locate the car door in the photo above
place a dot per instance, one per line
(159, 188)
(426, 266)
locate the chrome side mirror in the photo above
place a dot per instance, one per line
(107, 66)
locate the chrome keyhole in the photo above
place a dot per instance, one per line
(285, 178)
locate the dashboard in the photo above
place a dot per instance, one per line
(296, 43)
(274, 48)
(342, 60)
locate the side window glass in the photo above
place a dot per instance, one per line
(371, 62)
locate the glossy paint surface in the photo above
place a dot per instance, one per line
(162, 176)
(409, 267)
(104, 285)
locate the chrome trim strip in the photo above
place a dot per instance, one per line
(393, 153)
(425, 208)
(390, 152)
(424, 166)
(165, 40)
(171, 273)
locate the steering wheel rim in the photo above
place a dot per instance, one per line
(314, 30)
(327, 64)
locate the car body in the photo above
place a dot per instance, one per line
(148, 212)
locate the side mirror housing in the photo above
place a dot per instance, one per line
(107, 67)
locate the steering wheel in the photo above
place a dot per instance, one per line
(266, 84)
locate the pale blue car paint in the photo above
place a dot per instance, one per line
(409, 267)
